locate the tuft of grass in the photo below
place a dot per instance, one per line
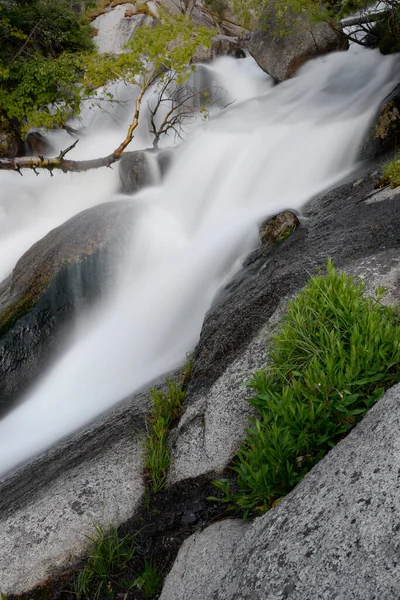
(167, 406)
(109, 555)
(150, 581)
(334, 356)
(391, 174)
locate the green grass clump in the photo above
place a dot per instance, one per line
(336, 353)
(391, 173)
(109, 555)
(166, 408)
(150, 581)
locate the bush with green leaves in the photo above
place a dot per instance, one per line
(335, 354)
(41, 42)
(390, 174)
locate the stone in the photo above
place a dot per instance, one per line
(203, 560)
(48, 507)
(213, 424)
(282, 44)
(383, 135)
(11, 144)
(38, 145)
(53, 282)
(139, 169)
(340, 225)
(116, 27)
(335, 536)
(222, 45)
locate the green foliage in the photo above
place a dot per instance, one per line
(166, 409)
(109, 555)
(40, 45)
(336, 353)
(391, 174)
(150, 581)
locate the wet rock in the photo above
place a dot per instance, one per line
(222, 45)
(58, 277)
(282, 43)
(340, 225)
(384, 135)
(38, 145)
(11, 144)
(138, 170)
(48, 507)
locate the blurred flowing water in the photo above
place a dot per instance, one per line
(272, 148)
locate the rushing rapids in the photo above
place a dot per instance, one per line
(274, 148)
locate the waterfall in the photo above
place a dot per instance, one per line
(274, 148)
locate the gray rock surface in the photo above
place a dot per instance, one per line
(115, 29)
(49, 506)
(238, 329)
(340, 224)
(203, 560)
(337, 535)
(284, 41)
(55, 280)
(212, 426)
(137, 170)
(222, 45)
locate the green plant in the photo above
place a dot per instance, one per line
(150, 581)
(390, 174)
(109, 555)
(166, 408)
(335, 354)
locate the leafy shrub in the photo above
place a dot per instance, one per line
(336, 353)
(391, 174)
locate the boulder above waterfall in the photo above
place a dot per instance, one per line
(57, 277)
(282, 43)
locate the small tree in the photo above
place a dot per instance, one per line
(152, 55)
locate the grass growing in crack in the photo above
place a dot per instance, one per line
(150, 581)
(109, 555)
(167, 406)
(336, 353)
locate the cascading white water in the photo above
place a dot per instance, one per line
(258, 157)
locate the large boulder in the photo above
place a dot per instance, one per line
(284, 41)
(355, 225)
(335, 536)
(57, 278)
(116, 27)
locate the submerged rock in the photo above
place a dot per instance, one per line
(284, 41)
(137, 170)
(58, 277)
